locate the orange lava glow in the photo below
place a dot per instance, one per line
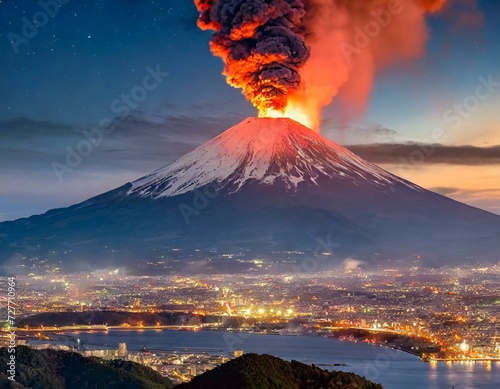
(295, 112)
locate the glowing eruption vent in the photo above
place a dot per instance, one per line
(270, 152)
(291, 57)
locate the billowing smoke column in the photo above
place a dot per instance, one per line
(261, 43)
(291, 57)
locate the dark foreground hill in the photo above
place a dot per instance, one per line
(252, 371)
(52, 369)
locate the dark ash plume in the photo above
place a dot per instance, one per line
(262, 44)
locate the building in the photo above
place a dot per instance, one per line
(122, 350)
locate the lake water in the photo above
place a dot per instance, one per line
(392, 368)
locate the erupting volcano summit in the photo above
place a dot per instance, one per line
(265, 151)
(265, 187)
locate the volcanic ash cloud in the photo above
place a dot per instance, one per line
(292, 57)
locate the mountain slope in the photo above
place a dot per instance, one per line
(265, 188)
(44, 369)
(52, 369)
(265, 150)
(252, 371)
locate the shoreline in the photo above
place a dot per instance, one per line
(98, 329)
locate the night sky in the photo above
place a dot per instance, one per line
(61, 80)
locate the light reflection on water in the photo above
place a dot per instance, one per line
(392, 368)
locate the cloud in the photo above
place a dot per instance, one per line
(444, 191)
(476, 185)
(142, 140)
(477, 193)
(358, 134)
(394, 153)
(350, 264)
(141, 143)
(488, 199)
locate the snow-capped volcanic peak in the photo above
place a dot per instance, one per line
(265, 150)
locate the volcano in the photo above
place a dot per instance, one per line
(265, 188)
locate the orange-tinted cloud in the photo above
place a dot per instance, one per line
(464, 15)
(473, 185)
(352, 41)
